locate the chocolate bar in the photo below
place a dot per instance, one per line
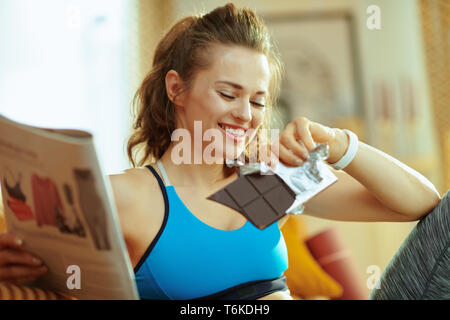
(262, 199)
(264, 195)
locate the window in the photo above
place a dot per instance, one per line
(65, 64)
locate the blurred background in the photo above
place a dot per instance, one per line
(68, 63)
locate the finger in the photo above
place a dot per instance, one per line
(14, 256)
(12, 273)
(10, 240)
(303, 133)
(297, 147)
(288, 157)
(25, 280)
(321, 133)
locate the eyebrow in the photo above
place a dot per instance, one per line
(238, 86)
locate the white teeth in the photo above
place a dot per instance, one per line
(236, 132)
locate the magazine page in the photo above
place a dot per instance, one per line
(57, 199)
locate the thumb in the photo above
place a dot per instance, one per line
(321, 133)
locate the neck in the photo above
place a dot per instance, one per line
(199, 175)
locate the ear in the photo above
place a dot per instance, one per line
(174, 87)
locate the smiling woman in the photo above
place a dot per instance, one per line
(216, 75)
(221, 70)
(235, 110)
(184, 53)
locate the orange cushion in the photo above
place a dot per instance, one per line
(305, 277)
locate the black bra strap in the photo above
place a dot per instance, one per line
(160, 181)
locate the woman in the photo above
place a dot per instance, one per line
(221, 71)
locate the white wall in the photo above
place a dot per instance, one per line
(64, 64)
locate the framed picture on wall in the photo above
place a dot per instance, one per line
(321, 77)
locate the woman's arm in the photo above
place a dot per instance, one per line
(393, 183)
(373, 187)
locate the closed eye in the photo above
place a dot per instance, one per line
(226, 96)
(257, 104)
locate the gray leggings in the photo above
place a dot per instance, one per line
(420, 269)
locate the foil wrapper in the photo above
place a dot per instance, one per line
(307, 180)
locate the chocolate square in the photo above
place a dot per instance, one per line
(223, 197)
(279, 199)
(242, 191)
(264, 213)
(262, 199)
(263, 182)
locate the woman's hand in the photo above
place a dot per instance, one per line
(301, 135)
(16, 265)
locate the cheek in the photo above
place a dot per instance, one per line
(198, 103)
(210, 106)
(208, 98)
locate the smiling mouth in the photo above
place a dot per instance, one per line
(237, 134)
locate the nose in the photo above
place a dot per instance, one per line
(243, 111)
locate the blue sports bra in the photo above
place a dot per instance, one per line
(189, 259)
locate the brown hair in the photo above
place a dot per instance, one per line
(181, 50)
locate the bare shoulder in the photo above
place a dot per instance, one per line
(140, 206)
(129, 184)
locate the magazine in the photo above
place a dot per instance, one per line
(57, 199)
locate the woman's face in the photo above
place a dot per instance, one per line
(228, 97)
